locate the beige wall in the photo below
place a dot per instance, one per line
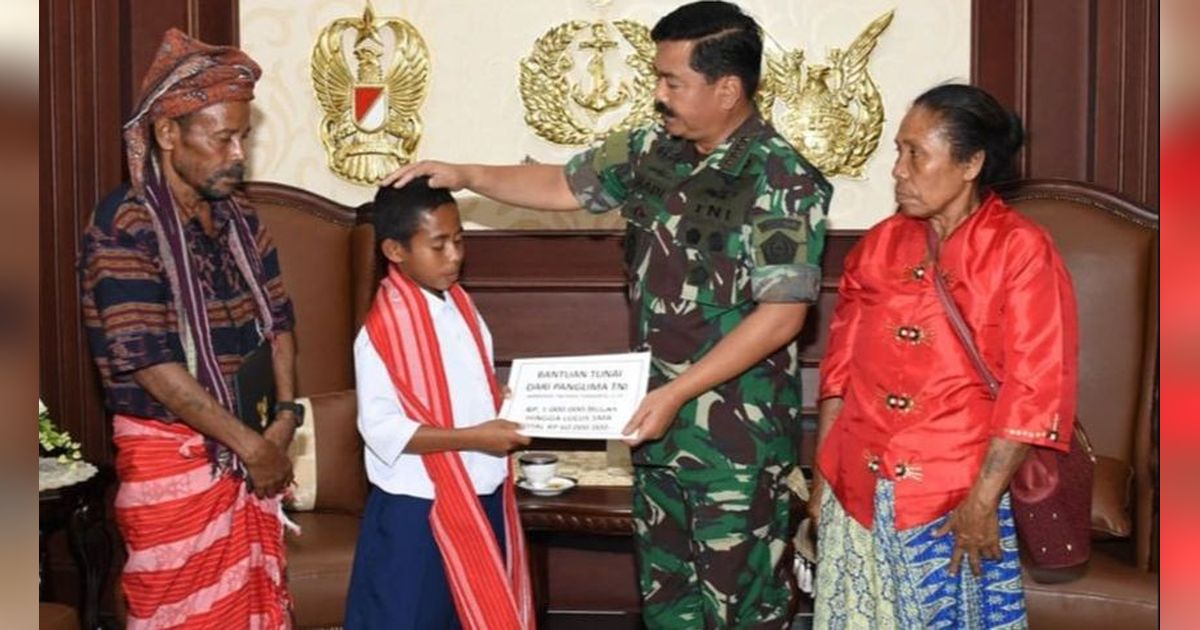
(474, 111)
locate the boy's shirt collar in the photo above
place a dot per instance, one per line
(437, 304)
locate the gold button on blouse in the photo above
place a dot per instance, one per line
(911, 334)
(899, 402)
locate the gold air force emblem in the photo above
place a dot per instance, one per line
(832, 113)
(572, 107)
(371, 124)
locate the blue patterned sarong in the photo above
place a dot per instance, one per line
(883, 578)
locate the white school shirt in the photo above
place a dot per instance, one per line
(385, 427)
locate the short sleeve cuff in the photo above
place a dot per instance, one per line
(786, 283)
(283, 317)
(133, 352)
(388, 445)
(833, 380)
(831, 391)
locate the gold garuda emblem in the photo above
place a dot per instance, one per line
(574, 106)
(371, 124)
(832, 112)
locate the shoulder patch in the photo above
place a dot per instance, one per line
(779, 249)
(779, 240)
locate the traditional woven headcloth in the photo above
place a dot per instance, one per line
(186, 76)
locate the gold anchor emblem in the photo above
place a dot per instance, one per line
(569, 114)
(597, 100)
(371, 124)
(833, 113)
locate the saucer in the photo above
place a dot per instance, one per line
(556, 486)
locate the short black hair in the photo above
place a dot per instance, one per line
(397, 211)
(975, 121)
(728, 42)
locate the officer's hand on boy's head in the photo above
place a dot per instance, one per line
(441, 175)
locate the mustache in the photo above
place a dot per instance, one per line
(209, 189)
(237, 171)
(662, 108)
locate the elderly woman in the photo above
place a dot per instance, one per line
(915, 454)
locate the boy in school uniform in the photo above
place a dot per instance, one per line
(440, 545)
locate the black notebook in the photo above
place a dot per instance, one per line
(254, 388)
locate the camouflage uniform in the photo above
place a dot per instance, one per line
(708, 237)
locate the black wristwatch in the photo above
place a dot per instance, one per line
(296, 408)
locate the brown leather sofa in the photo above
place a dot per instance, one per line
(327, 257)
(1110, 246)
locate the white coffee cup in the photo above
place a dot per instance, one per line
(538, 468)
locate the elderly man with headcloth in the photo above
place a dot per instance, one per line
(179, 283)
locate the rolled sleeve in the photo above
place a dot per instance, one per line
(1036, 403)
(599, 177)
(385, 428)
(786, 283)
(787, 237)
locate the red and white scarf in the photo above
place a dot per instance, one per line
(489, 594)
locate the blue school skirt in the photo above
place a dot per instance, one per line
(398, 580)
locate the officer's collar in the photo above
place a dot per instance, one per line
(730, 156)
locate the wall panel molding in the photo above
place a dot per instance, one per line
(1083, 75)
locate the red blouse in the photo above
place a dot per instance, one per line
(916, 411)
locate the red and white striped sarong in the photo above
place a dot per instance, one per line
(203, 551)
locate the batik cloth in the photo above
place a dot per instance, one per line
(882, 578)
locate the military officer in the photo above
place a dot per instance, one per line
(726, 224)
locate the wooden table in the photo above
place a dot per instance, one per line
(582, 557)
(80, 509)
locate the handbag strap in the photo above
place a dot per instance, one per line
(957, 322)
